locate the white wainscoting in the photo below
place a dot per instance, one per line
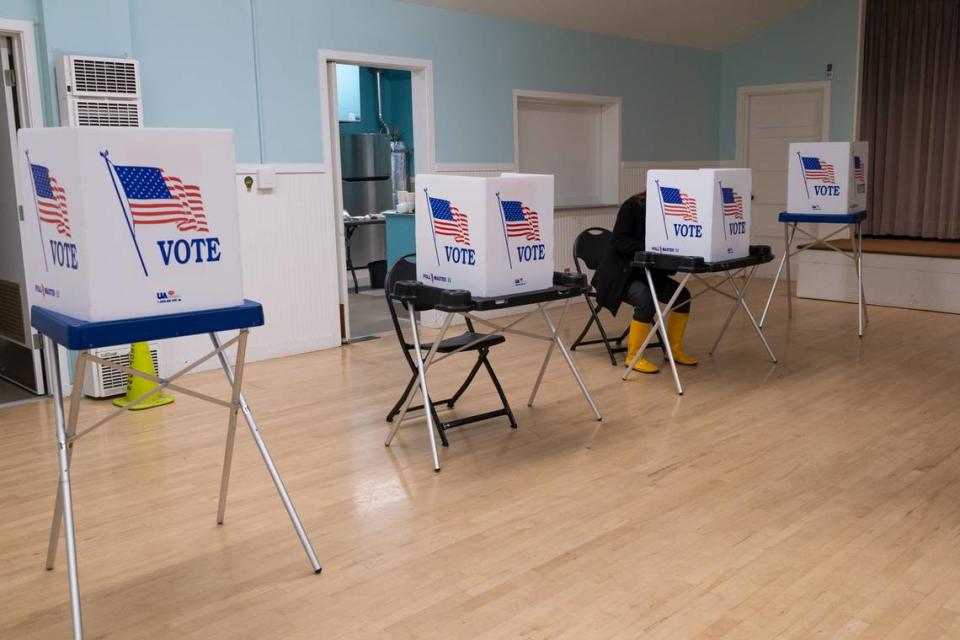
(289, 256)
(908, 282)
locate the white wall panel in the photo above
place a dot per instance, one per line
(289, 265)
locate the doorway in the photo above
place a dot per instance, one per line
(375, 113)
(365, 139)
(769, 118)
(21, 368)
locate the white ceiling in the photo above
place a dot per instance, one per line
(707, 24)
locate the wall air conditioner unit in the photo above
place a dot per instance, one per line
(99, 92)
(102, 382)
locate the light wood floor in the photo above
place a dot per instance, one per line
(816, 498)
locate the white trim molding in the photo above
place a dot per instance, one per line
(247, 168)
(473, 167)
(743, 111)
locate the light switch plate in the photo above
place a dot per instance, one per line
(266, 178)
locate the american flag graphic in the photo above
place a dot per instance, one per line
(677, 203)
(448, 221)
(817, 169)
(156, 198)
(51, 199)
(858, 173)
(732, 203)
(521, 221)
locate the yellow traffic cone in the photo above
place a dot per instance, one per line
(141, 361)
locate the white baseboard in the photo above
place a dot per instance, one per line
(908, 282)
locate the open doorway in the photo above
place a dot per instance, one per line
(378, 122)
(375, 113)
(21, 369)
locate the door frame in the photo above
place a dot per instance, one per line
(21, 32)
(30, 107)
(743, 108)
(421, 89)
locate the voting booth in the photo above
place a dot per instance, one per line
(826, 185)
(132, 236)
(701, 213)
(128, 222)
(490, 236)
(827, 177)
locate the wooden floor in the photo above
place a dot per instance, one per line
(816, 498)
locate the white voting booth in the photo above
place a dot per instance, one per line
(133, 235)
(827, 177)
(130, 222)
(489, 236)
(826, 185)
(701, 213)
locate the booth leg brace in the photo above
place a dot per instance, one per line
(856, 254)
(66, 436)
(662, 313)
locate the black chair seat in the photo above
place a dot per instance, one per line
(449, 345)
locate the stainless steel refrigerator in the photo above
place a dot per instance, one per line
(365, 170)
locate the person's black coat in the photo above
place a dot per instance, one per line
(614, 273)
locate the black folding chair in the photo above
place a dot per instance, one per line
(588, 250)
(406, 269)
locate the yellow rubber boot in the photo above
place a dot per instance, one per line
(638, 333)
(676, 327)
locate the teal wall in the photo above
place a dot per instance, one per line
(669, 93)
(251, 65)
(796, 49)
(197, 67)
(348, 92)
(397, 111)
(397, 102)
(199, 64)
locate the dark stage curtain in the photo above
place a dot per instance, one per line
(910, 115)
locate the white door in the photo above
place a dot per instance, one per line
(19, 361)
(770, 119)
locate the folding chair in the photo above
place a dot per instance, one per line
(406, 269)
(588, 250)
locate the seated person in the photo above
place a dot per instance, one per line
(616, 281)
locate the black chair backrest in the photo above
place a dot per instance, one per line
(403, 269)
(590, 246)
